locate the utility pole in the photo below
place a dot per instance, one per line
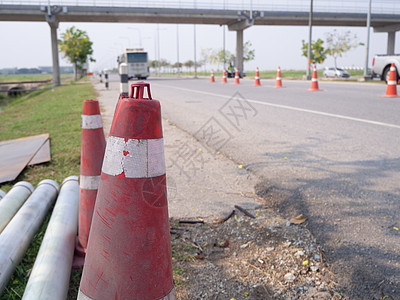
(367, 48)
(177, 48)
(310, 19)
(195, 63)
(223, 30)
(158, 48)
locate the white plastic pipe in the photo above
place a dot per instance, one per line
(50, 275)
(13, 201)
(2, 194)
(16, 237)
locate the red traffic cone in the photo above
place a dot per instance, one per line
(236, 76)
(212, 79)
(129, 249)
(391, 90)
(257, 78)
(224, 80)
(92, 153)
(278, 83)
(314, 81)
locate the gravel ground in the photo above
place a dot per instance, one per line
(244, 258)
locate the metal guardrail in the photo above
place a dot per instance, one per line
(391, 7)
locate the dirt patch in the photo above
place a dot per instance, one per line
(244, 258)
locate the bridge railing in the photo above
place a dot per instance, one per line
(338, 6)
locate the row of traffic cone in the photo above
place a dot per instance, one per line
(391, 90)
(123, 217)
(256, 81)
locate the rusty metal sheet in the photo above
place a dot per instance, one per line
(16, 154)
(43, 155)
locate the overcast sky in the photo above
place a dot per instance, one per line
(27, 44)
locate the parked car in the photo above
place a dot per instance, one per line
(381, 66)
(335, 72)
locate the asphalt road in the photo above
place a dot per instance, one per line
(332, 155)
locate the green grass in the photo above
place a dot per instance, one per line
(31, 77)
(57, 112)
(181, 253)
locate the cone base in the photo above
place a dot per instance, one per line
(223, 82)
(390, 96)
(170, 296)
(279, 87)
(314, 90)
(257, 84)
(79, 255)
(78, 262)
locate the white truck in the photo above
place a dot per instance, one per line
(137, 61)
(381, 65)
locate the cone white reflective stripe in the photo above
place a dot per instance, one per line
(171, 296)
(135, 158)
(392, 69)
(392, 82)
(82, 296)
(89, 182)
(257, 77)
(278, 78)
(91, 122)
(314, 79)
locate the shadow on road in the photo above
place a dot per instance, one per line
(354, 218)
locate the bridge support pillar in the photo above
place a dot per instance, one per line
(239, 27)
(391, 42)
(391, 31)
(54, 49)
(239, 50)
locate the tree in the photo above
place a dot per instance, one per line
(248, 53)
(177, 65)
(227, 57)
(340, 42)
(153, 64)
(189, 64)
(164, 63)
(216, 57)
(318, 52)
(77, 48)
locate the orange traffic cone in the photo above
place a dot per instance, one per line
(257, 78)
(314, 81)
(92, 153)
(129, 249)
(278, 83)
(224, 80)
(391, 90)
(212, 76)
(236, 76)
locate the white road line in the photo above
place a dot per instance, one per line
(315, 112)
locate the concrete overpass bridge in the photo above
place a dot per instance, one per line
(237, 15)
